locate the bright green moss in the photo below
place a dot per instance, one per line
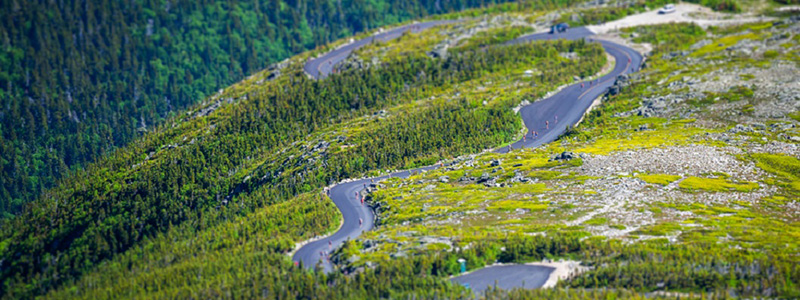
(783, 166)
(662, 179)
(715, 185)
(517, 204)
(596, 222)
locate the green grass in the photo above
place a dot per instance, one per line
(662, 179)
(715, 185)
(545, 174)
(747, 77)
(516, 204)
(596, 222)
(723, 43)
(787, 168)
(658, 229)
(795, 116)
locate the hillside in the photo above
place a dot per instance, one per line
(682, 180)
(79, 79)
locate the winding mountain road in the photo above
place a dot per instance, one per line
(321, 66)
(568, 105)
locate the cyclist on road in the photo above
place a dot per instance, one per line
(547, 124)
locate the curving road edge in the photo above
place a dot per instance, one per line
(560, 111)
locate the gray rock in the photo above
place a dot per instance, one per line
(566, 155)
(353, 259)
(484, 178)
(700, 44)
(739, 128)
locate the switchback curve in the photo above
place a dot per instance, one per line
(568, 105)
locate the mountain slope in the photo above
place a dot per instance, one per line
(227, 160)
(81, 78)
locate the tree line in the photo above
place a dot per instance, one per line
(81, 78)
(183, 174)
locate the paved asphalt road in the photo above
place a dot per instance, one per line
(322, 66)
(568, 105)
(505, 277)
(347, 197)
(571, 103)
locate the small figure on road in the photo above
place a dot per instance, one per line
(360, 221)
(556, 119)
(581, 84)
(330, 244)
(547, 124)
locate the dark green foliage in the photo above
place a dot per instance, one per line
(491, 37)
(79, 78)
(696, 267)
(114, 205)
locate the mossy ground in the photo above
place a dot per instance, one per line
(560, 199)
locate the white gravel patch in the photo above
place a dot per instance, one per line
(684, 12)
(693, 160)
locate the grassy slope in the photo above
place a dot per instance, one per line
(736, 233)
(502, 87)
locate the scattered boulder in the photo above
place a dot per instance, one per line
(740, 128)
(566, 155)
(484, 178)
(464, 179)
